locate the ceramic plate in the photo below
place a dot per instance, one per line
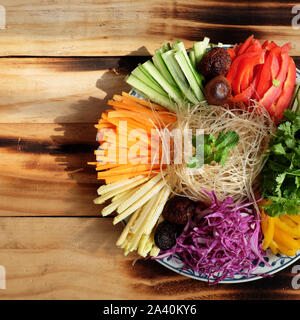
(274, 264)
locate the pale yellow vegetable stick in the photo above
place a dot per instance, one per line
(164, 195)
(140, 202)
(112, 186)
(147, 248)
(155, 203)
(144, 189)
(137, 234)
(114, 205)
(127, 228)
(154, 251)
(146, 209)
(142, 244)
(111, 194)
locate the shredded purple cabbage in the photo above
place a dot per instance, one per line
(224, 241)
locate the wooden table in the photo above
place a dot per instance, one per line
(60, 62)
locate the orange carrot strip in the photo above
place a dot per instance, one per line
(127, 176)
(128, 170)
(144, 102)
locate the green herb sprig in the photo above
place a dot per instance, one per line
(281, 172)
(214, 149)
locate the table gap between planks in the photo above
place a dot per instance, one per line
(60, 62)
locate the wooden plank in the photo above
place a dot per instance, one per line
(94, 28)
(58, 90)
(61, 90)
(75, 258)
(44, 170)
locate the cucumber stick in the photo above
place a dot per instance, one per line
(178, 75)
(192, 58)
(161, 66)
(192, 80)
(172, 91)
(150, 93)
(295, 101)
(144, 76)
(200, 49)
(179, 46)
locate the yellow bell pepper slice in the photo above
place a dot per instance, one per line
(268, 228)
(287, 220)
(274, 247)
(293, 232)
(284, 239)
(296, 219)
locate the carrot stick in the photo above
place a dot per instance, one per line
(144, 102)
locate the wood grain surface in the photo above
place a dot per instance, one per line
(122, 27)
(60, 61)
(73, 258)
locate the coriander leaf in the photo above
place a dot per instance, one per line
(193, 162)
(280, 175)
(227, 140)
(213, 149)
(278, 149)
(281, 206)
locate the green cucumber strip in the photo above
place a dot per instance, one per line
(180, 57)
(200, 49)
(166, 47)
(295, 98)
(298, 99)
(192, 58)
(179, 46)
(161, 66)
(178, 75)
(144, 76)
(149, 92)
(172, 91)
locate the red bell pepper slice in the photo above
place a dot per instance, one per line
(245, 45)
(235, 65)
(254, 47)
(269, 45)
(265, 44)
(273, 93)
(246, 94)
(286, 47)
(269, 70)
(245, 68)
(231, 53)
(287, 91)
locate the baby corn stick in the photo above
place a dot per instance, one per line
(163, 197)
(126, 230)
(146, 187)
(140, 202)
(111, 194)
(114, 205)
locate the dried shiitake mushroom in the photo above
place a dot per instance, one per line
(215, 62)
(165, 235)
(178, 210)
(217, 91)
